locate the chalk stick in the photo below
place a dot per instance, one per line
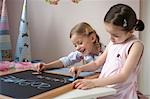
(36, 73)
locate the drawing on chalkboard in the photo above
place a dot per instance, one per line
(27, 85)
(24, 82)
(63, 80)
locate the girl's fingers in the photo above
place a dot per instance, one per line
(79, 84)
(75, 71)
(78, 72)
(78, 81)
(72, 71)
(40, 67)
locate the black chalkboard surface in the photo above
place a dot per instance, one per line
(25, 84)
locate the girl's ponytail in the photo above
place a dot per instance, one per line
(139, 25)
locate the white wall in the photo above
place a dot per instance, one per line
(145, 36)
(49, 25)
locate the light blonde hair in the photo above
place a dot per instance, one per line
(85, 29)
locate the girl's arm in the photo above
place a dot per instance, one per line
(129, 66)
(43, 66)
(65, 61)
(92, 66)
(54, 64)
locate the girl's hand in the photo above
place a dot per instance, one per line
(39, 67)
(75, 71)
(84, 84)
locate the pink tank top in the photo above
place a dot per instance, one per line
(116, 57)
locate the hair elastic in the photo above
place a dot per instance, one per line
(124, 23)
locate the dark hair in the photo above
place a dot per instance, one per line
(125, 17)
(85, 29)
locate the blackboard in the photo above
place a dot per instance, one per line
(24, 84)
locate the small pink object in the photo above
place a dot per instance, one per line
(23, 65)
(4, 65)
